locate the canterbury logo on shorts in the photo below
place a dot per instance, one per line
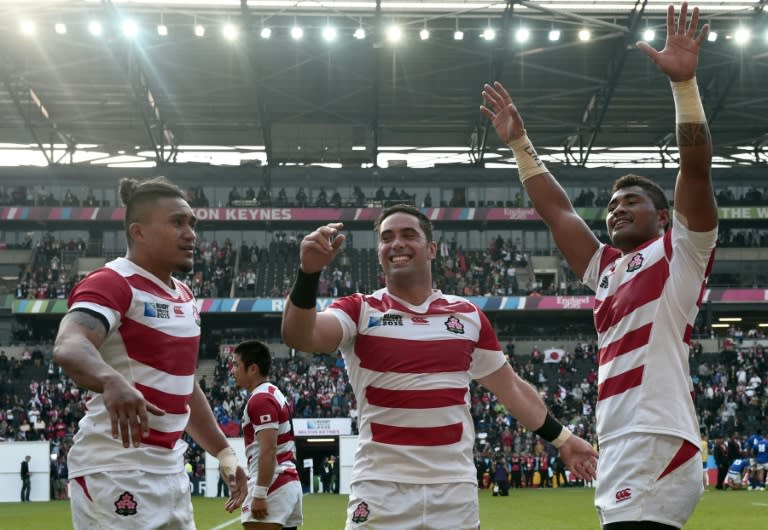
(624, 495)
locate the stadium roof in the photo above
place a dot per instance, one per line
(71, 96)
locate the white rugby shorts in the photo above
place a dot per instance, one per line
(283, 505)
(648, 477)
(131, 500)
(384, 505)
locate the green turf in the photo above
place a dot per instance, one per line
(535, 509)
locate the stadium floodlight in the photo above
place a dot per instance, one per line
(95, 28)
(162, 29)
(649, 35)
(742, 36)
(488, 33)
(199, 30)
(554, 35)
(60, 28)
(230, 31)
(394, 33)
(297, 33)
(585, 35)
(712, 37)
(27, 27)
(359, 33)
(522, 35)
(458, 34)
(130, 29)
(329, 33)
(424, 33)
(266, 33)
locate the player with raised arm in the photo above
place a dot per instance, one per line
(648, 286)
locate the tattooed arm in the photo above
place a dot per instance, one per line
(76, 350)
(695, 202)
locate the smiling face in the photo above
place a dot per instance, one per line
(163, 240)
(240, 373)
(405, 254)
(633, 219)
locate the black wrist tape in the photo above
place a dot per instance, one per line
(551, 428)
(304, 292)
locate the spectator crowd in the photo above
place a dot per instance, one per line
(39, 402)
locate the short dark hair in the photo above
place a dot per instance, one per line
(255, 352)
(654, 191)
(424, 223)
(135, 195)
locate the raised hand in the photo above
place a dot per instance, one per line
(320, 247)
(502, 112)
(680, 56)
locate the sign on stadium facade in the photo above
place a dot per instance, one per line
(322, 426)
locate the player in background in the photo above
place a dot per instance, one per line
(274, 490)
(757, 447)
(738, 473)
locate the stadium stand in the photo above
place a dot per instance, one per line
(40, 403)
(60, 222)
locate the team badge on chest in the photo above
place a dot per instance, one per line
(454, 325)
(635, 263)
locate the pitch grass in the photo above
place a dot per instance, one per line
(558, 509)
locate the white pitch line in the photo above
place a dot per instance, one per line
(759, 504)
(226, 524)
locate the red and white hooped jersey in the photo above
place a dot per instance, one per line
(152, 341)
(267, 408)
(410, 368)
(646, 303)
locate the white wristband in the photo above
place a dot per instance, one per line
(562, 437)
(688, 107)
(260, 492)
(227, 461)
(528, 162)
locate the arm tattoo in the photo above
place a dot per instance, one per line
(87, 320)
(693, 134)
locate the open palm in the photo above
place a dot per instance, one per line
(502, 113)
(680, 56)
